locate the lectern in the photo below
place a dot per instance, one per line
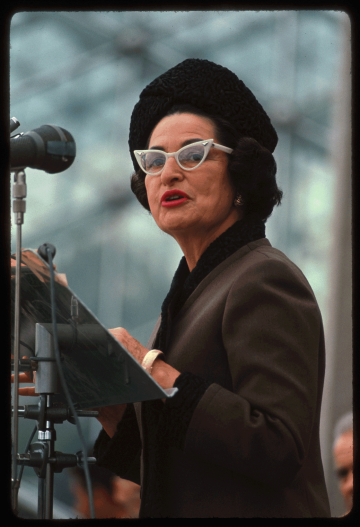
(97, 370)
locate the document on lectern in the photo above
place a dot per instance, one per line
(98, 370)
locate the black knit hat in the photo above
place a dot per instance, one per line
(207, 86)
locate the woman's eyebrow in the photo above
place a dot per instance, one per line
(187, 142)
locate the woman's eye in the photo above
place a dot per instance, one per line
(152, 161)
(192, 155)
(157, 162)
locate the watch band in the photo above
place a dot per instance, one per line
(150, 358)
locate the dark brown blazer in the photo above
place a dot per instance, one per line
(253, 328)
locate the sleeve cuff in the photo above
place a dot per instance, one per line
(178, 410)
(121, 452)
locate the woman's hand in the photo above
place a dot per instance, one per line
(137, 350)
(164, 374)
(110, 416)
(27, 377)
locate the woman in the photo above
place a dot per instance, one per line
(240, 331)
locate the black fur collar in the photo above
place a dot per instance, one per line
(248, 229)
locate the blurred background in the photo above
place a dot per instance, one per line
(84, 71)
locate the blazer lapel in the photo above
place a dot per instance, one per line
(222, 267)
(138, 406)
(153, 337)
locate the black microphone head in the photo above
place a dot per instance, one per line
(60, 148)
(42, 250)
(49, 148)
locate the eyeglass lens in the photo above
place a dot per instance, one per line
(189, 157)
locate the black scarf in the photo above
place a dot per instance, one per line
(244, 231)
(166, 425)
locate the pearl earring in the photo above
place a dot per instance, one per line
(238, 201)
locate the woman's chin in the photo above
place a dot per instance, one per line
(176, 227)
(174, 220)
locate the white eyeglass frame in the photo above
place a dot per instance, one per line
(208, 143)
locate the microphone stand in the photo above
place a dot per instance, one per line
(19, 205)
(41, 455)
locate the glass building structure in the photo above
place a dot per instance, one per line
(84, 71)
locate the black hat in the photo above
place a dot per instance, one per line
(207, 86)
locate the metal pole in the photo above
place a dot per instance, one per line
(19, 192)
(50, 438)
(41, 499)
(41, 473)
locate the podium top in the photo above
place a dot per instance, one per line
(98, 370)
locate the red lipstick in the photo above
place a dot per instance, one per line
(172, 198)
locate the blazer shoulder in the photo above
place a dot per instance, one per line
(277, 258)
(257, 253)
(263, 262)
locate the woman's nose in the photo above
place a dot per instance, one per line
(171, 171)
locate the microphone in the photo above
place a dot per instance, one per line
(48, 148)
(14, 123)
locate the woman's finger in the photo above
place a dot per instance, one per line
(28, 376)
(25, 377)
(137, 350)
(28, 391)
